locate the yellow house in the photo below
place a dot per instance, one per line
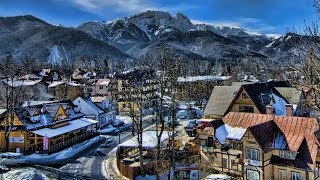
(261, 146)
(46, 127)
(251, 98)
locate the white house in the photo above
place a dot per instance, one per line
(102, 114)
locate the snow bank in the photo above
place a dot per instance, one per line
(64, 155)
(25, 173)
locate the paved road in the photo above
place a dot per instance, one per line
(89, 165)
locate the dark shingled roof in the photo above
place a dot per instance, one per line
(259, 93)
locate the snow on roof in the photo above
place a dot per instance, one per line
(202, 78)
(103, 82)
(227, 132)
(236, 133)
(222, 133)
(73, 84)
(279, 105)
(56, 83)
(149, 140)
(96, 99)
(18, 83)
(33, 103)
(280, 142)
(71, 126)
(3, 110)
(93, 105)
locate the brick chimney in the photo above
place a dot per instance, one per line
(269, 110)
(289, 110)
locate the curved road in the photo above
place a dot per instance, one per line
(89, 165)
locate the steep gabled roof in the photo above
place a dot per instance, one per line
(261, 94)
(245, 120)
(220, 99)
(299, 132)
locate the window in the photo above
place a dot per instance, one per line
(123, 105)
(287, 154)
(252, 154)
(282, 174)
(245, 96)
(101, 87)
(252, 175)
(89, 90)
(210, 142)
(224, 163)
(246, 109)
(295, 176)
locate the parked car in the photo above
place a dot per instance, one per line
(99, 152)
(108, 143)
(117, 123)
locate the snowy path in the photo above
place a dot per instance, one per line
(94, 167)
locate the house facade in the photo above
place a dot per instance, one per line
(132, 86)
(263, 146)
(46, 128)
(103, 112)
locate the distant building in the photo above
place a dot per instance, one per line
(198, 87)
(103, 112)
(65, 90)
(129, 86)
(98, 87)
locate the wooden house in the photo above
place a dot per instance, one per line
(264, 146)
(46, 128)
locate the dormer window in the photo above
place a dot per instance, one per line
(286, 154)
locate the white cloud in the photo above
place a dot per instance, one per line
(99, 6)
(251, 25)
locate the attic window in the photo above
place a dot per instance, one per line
(285, 154)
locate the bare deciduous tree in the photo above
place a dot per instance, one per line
(12, 94)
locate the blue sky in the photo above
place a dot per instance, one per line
(263, 16)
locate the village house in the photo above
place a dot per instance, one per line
(219, 101)
(98, 87)
(263, 146)
(128, 154)
(102, 111)
(254, 97)
(29, 89)
(65, 90)
(46, 128)
(198, 87)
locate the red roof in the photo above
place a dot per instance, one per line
(295, 129)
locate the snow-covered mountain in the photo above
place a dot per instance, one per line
(148, 33)
(144, 33)
(28, 36)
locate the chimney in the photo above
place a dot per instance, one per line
(269, 110)
(289, 110)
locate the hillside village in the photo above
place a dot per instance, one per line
(211, 127)
(159, 90)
